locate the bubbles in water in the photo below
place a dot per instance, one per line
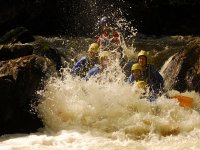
(108, 106)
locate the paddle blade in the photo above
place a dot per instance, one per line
(184, 101)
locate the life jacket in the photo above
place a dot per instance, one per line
(109, 41)
(82, 66)
(153, 78)
(92, 72)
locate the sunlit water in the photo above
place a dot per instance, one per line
(108, 113)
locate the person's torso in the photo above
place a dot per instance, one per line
(152, 77)
(85, 66)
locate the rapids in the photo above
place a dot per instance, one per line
(108, 113)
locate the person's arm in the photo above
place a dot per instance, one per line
(92, 72)
(78, 65)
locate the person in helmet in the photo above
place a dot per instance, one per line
(104, 60)
(149, 74)
(136, 73)
(85, 63)
(109, 39)
(136, 76)
(140, 85)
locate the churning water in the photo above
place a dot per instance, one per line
(105, 112)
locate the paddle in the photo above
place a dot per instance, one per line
(184, 101)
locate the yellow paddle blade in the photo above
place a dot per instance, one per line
(184, 101)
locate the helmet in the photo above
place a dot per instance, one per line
(142, 53)
(136, 66)
(104, 54)
(141, 84)
(94, 47)
(104, 20)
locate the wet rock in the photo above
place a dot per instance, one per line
(19, 80)
(183, 71)
(23, 70)
(47, 51)
(15, 51)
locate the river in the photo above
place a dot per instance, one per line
(108, 114)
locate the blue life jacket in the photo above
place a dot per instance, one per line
(82, 66)
(92, 72)
(152, 77)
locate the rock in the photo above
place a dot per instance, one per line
(183, 71)
(18, 50)
(23, 70)
(47, 51)
(19, 34)
(15, 51)
(19, 80)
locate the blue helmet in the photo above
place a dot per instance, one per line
(104, 20)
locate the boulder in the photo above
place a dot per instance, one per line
(19, 80)
(183, 70)
(51, 53)
(15, 51)
(19, 34)
(23, 71)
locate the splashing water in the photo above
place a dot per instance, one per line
(108, 113)
(119, 23)
(110, 107)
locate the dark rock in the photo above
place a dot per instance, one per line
(15, 51)
(19, 34)
(183, 71)
(47, 51)
(23, 70)
(19, 80)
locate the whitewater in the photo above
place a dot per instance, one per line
(107, 113)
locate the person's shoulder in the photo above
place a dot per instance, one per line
(151, 66)
(83, 58)
(95, 69)
(131, 63)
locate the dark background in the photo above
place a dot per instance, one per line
(79, 17)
